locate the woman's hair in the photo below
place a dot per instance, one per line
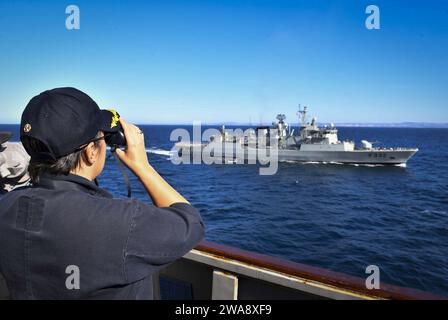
(61, 166)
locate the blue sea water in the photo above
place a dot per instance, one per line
(339, 217)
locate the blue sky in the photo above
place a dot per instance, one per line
(225, 61)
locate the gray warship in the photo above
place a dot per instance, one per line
(310, 143)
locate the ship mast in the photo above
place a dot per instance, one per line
(302, 115)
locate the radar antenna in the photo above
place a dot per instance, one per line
(280, 117)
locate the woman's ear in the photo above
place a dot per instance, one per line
(91, 153)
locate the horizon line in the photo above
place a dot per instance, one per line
(414, 124)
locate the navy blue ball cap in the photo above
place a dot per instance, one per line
(64, 119)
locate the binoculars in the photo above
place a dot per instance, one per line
(115, 139)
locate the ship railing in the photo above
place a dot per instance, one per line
(216, 271)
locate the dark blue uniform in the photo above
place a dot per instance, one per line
(116, 244)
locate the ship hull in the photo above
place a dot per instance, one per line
(384, 157)
(372, 157)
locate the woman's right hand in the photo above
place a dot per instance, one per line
(136, 159)
(134, 156)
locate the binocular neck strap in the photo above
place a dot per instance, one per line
(123, 173)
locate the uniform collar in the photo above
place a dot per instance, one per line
(71, 182)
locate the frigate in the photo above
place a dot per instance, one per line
(310, 143)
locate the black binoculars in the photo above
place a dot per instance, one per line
(116, 139)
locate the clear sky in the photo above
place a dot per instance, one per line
(224, 61)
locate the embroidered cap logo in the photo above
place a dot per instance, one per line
(27, 128)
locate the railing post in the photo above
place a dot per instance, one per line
(225, 286)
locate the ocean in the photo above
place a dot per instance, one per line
(339, 217)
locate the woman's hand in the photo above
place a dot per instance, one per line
(134, 156)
